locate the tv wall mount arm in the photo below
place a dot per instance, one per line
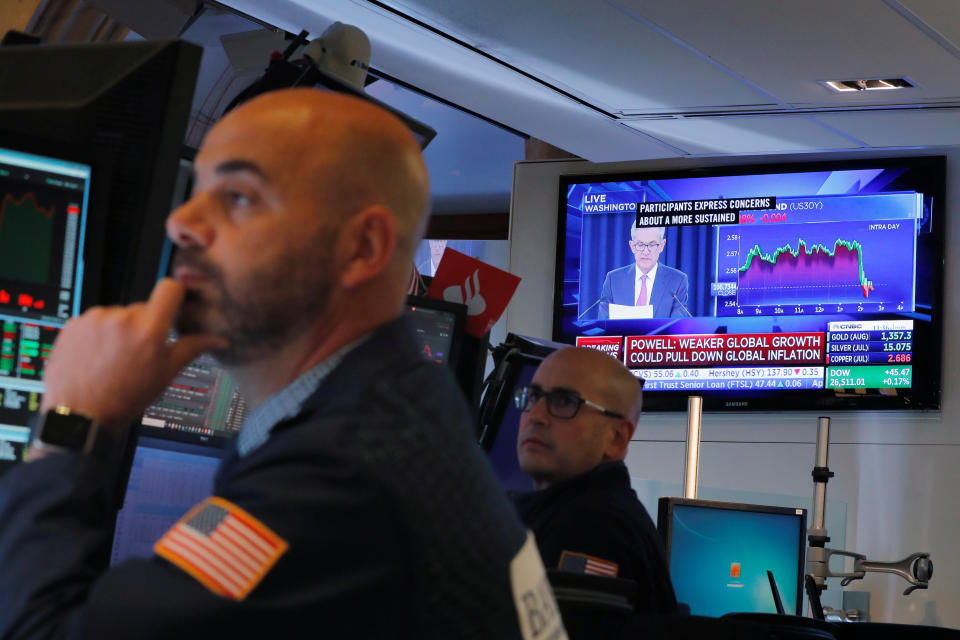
(917, 568)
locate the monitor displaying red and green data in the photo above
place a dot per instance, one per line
(44, 210)
(804, 286)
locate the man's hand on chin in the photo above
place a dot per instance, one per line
(111, 362)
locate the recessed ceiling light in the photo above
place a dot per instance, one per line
(874, 84)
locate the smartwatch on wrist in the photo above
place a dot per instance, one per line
(63, 428)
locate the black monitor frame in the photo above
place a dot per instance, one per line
(666, 505)
(122, 109)
(925, 392)
(126, 106)
(510, 358)
(97, 207)
(499, 395)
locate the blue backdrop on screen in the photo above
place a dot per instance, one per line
(719, 559)
(689, 249)
(503, 452)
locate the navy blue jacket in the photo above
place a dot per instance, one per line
(599, 515)
(396, 525)
(619, 285)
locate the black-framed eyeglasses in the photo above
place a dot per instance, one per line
(646, 246)
(561, 403)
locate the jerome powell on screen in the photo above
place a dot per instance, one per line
(646, 281)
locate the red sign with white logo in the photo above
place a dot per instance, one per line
(611, 345)
(485, 289)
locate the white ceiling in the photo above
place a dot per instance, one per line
(637, 79)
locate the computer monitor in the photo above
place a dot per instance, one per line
(516, 360)
(501, 443)
(439, 326)
(166, 479)
(202, 405)
(89, 140)
(124, 106)
(44, 219)
(719, 554)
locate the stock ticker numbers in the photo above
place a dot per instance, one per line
(202, 399)
(870, 354)
(17, 406)
(24, 349)
(43, 215)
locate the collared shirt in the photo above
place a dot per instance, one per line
(286, 403)
(638, 283)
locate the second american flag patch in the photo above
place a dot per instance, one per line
(582, 563)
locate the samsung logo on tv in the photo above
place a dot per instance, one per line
(736, 404)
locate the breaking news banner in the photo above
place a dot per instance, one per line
(610, 345)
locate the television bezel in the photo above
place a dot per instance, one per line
(666, 505)
(925, 391)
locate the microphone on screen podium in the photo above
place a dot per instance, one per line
(599, 300)
(682, 306)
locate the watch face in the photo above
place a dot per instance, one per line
(68, 431)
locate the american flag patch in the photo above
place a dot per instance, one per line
(582, 563)
(225, 548)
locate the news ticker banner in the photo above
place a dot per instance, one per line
(732, 379)
(857, 354)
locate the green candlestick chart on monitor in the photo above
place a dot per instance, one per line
(26, 232)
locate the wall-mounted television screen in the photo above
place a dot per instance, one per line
(801, 286)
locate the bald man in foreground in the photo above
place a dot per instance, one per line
(579, 414)
(354, 502)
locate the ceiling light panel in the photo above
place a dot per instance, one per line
(873, 84)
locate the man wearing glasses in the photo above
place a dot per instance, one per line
(646, 283)
(578, 415)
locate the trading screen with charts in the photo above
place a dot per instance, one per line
(43, 219)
